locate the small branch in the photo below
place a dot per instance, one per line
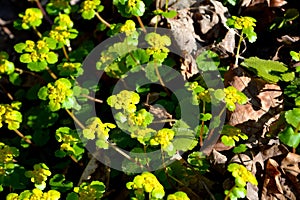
(37, 32)
(39, 5)
(75, 119)
(141, 24)
(7, 93)
(238, 51)
(102, 20)
(51, 73)
(92, 98)
(66, 53)
(23, 137)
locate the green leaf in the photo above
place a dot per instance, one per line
(205, 117)
(139, 8)
(293, 117)
(184, 137)
(20, 47)
(208, 61)
(150, 71)
(25, 58)
(43, 93)
(228, 141)
(58, 182)
(37, 66)
(295, 55)
(52, 58)
(240, 149)
(269, 70)
(169, 14)
(289, 137)
(88, 14)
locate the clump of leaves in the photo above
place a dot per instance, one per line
(88, 191)
(128, 8)
(35, 194)
(62, 30)
(290, 135)
(245, 24)
(163, 137)
(7, 155)
(31, 18)
(242, 176)
(231, 134)
(54, 7)
(39, 175)
(6, 67)
(96, 129)
(59, 94)
(178, 196)
(9, 114)
(269, 70)
(71, 143)
(37, 55)
(146, 182)
(90, 8)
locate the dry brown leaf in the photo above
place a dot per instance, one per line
(264, 104)
(272, 183)
(228, 42)
(290, 165)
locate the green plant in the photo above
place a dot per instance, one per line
(246, 25)
(146, 182)
(242, 176)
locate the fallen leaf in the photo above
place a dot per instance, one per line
(264, 106)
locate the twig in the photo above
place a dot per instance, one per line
(102, 20)
(141, 24)
(23, 137)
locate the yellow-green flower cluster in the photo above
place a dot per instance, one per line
(90, 191)
(163, 138)
(32, 18)
(178, 196)
(124, 100)
(10, 115)
(232, 96)
(68, 138)
(35, 194)
(39, 175)
(68, 68)
(7, 155)
(90, 4)
(62, 30)
(243, 22)
(5, 65)
(59, 92)
(98, 130)
(158, 45)
(147, 182)
(140, 118)
(241, 175)
(128, 28)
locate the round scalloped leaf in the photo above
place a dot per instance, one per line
(88, 14)
(37, 66)
(289, 137)
(293, 117)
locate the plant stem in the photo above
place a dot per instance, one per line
(51, 73)
(238, 51)
(23, 137)
(43, 11)
(37, 32)
(202, 127)
(66, 53)
(164, 121)
(92, 98)
(141, 24)
(75, 119)
(102, 20)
